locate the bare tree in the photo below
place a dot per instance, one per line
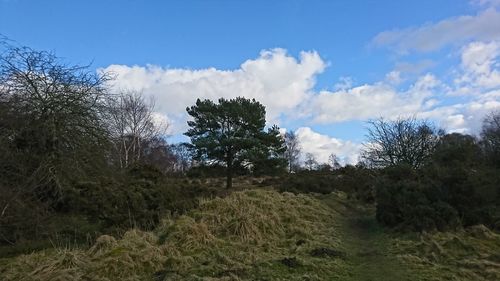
(159, 153)
(292, 151)
(333, 160)
(490, 137)
(310, 162)
(183, 157)
(132, 125)
(51, 114)
(51, 133)
(408, 141)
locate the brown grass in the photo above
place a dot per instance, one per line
(239, 237)
(471, 254)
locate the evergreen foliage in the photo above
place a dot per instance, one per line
(231, 132)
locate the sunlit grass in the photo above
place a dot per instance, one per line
(247, 235)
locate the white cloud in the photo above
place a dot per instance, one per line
(285, 85)
(394, 77)
(433, 36)
(321, 146)
(162, 122)
(489, 3)
(426, 98)
(414, 68)
(371, 101)
(276, 79)
(344, 83)
(472, 87)
(462, 118)
(480, 65)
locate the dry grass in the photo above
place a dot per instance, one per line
(128, 258)
(248, 233)
(472, 254)
(241, 237)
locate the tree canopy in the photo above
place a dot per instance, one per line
(50, 123)
(402, 141)
(231, 132)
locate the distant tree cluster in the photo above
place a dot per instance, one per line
(490, 138)
(64, 135)
(78, 159)
(72, 148)
(420, 177)
(434, 180)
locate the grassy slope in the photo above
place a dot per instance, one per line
(367, 244)
(249, 235)
(470, 254)
(375, 254)
(265, 235)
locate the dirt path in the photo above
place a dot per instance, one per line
(366, 245)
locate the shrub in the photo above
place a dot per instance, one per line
(411, 205)
(244, 236)
(310, 181)
(357, 182)
(137, 201)
(438, 197)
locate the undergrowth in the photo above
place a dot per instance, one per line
(249, 235)
(471, 254)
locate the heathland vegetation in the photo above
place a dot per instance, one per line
(90, 189)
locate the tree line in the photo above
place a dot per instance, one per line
(419, 176)
(77, 158)
(68, 144)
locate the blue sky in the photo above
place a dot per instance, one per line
(320, 67)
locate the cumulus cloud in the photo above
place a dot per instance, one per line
(433, 36)
(321, 146)
(371, 101)
(344, 83)
(480, 65)
(414, 68)
(478, 82)
(286, 86)
(278, 80)
(394, 77)
(474, 83)
(462, 117)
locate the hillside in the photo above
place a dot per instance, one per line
(380, 254)
(248, 235)
(266, 235)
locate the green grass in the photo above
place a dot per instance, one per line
(470, 254)
(248, 235)
(367, 244)
(265, 235)
(376, 253)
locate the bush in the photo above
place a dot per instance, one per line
(243, 236)
(310, 181)
(106, 205)
(409, 204)
(357, 182)
(138, 200)
(441, 196)
(457, 182)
